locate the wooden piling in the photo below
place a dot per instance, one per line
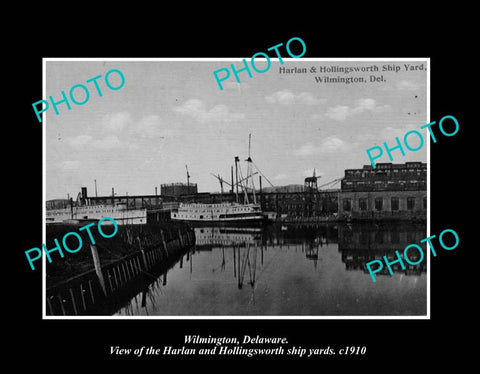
(74, 304)
(80, 294)
(137, 263)
(180, 237)
(98, 267)
(145, 264)
(124, 272)
(164, 243)
(130, 268)
(82, 291)
(59, 297)
(109, 276)
(91, 291)
(50, 306)
(117, 281)
(117, 270)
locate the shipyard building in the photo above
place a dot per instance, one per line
(390, 191)
(178, 189)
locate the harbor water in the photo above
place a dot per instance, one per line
(289, 270)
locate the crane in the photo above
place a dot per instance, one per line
(311, 182)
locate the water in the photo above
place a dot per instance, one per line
(288, 271)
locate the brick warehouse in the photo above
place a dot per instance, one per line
(391, 191)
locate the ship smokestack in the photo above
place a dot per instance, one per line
(84, 195)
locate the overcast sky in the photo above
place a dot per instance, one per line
(172, 113)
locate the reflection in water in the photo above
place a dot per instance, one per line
(360, 244)
(288, 271)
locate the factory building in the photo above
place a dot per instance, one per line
(178, 189)
(390, 191)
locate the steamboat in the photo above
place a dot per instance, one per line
(77, 214)
(231, 212)
(83, 210)
(218, 212)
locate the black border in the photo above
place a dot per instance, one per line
(81, 343)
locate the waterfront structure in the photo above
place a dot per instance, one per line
(178, 189)
(293, 205)
(301, 205)
(390, 191)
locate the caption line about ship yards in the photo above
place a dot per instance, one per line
(248, 346)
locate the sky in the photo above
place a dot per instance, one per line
(169, 114)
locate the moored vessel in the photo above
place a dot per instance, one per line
(218, 212)
(247, 211)
(87, 213)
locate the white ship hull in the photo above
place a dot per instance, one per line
(221, 212)
(121, 215)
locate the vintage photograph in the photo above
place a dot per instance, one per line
(171, 195)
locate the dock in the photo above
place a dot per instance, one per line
(110, 281)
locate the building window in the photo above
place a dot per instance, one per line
(347, 205)
(410, 203)
(362, 203)
(395, 204)
(378, 203)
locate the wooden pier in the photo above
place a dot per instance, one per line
(98, 290)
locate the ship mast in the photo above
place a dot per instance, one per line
(236, 178)
(250, 169)
(188, 179)
(222, 181)
(241, 181)
(244, 186)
